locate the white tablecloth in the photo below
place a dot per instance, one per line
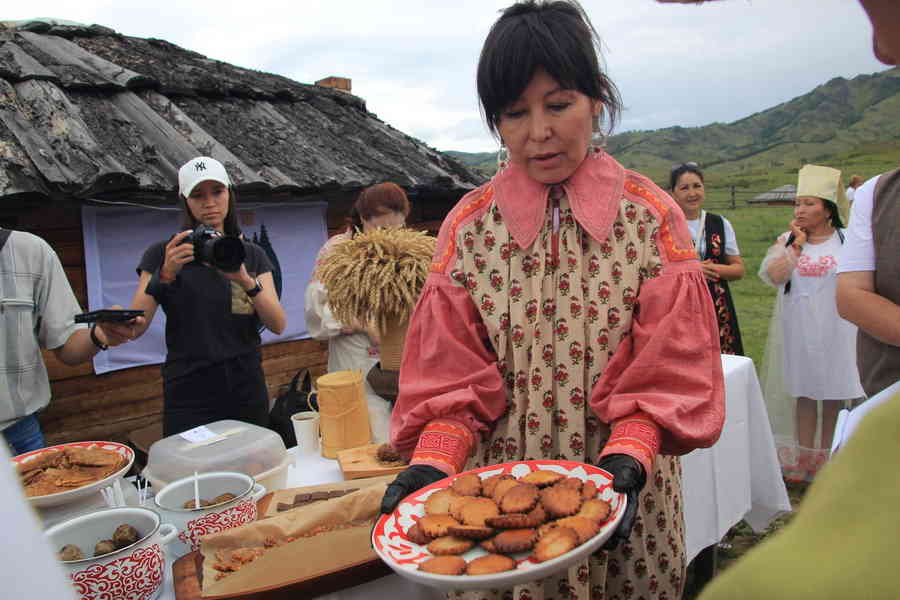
(738, 478)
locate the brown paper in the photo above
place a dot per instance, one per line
(304, 558)
(287, 496)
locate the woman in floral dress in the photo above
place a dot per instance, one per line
(566, 315)
(716, 245)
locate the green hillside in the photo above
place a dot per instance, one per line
(850, 124)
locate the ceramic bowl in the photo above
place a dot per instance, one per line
(134, 572)
(82, 492)
(194, 523)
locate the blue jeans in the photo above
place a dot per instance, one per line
(24, 436)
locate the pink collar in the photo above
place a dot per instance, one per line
(594, 190)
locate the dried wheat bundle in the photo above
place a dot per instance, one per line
(375, 278)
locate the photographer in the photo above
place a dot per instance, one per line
(216, 302)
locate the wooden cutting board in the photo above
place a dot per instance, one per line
(187, 574)
(361, 462)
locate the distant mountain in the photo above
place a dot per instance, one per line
(834, 124)
(483, 162)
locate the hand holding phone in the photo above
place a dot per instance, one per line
(108, 315)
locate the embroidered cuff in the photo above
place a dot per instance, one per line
(444, 444)
(637, 436)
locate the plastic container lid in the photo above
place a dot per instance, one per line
(220, 446)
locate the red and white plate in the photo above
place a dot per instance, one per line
(394, 547)
(72, 495)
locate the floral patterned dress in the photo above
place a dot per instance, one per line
(523, 323)
(714, 249)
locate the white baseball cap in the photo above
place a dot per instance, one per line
(202, 168)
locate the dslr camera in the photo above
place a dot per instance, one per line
(226, 253)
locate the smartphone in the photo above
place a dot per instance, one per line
(108, 315)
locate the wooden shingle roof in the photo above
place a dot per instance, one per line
(88, 113)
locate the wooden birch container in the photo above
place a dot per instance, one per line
(390, 346)
(343, 412)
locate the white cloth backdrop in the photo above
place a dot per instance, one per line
(115, 238)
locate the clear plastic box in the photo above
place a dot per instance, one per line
(234, 446)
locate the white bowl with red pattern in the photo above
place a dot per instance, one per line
(194, 523)
(393, 546)
(73, 495)
(135, 572)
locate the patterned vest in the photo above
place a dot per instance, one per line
(879, 363)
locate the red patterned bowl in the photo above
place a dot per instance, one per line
(69, 496)
(134, 572)
(194, 523)
(393, 546)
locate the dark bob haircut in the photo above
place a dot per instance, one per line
(556, 36)
(679, 170)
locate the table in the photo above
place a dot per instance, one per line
(738, 478)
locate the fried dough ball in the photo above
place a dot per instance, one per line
(125, 535)
(70, 552)
(104, 547)
(223, 498)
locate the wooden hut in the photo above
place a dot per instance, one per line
(87, 114)
(783, 195)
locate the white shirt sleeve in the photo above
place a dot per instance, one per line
(858, 253)
(731, 247)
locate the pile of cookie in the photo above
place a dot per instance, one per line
(543, 512)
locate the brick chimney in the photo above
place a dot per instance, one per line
(341, 84)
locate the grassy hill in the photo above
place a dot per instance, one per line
(848, 124)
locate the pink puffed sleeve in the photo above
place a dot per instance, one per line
(449, 370)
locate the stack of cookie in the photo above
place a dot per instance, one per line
(543, 512)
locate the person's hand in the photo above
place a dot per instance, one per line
(710, 269)
(177, 255)
(799, 237)
(241, 277)
(116, 334)
(628, 478)
(408, 481)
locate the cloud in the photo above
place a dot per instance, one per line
(414, 62)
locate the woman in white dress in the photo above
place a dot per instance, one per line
(349, 347)
(811, 352)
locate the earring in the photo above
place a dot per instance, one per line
(598, 140)
(502, 157)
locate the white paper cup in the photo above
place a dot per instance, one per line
(306, 428)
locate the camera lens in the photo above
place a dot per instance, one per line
(226, 253)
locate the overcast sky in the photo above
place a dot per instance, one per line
(413, 61)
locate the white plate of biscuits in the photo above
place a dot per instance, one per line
(501, 525)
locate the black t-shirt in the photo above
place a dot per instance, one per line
(208, 318)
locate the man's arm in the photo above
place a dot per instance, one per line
(858, 303)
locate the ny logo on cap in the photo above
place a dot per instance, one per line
(200, 166)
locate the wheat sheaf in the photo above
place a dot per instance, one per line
(375, 278)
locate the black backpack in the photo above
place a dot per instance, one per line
(297, 396)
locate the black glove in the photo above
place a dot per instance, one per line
(408, 481)
(628, 478)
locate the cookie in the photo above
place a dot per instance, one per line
(456, 505)
(595, 509)
(561, 501)
(438, 503)
(536, 517)
(488, 545)
(449, 544)
(490, 563)
(520, 499)
(416, 535)
(542, 478)
(436, 525)
(488, 484)
(444, 565)
(555, 542)
(478, 510)
(472, 532)
(511, 541)
(468, 484)
(588, 490)
(583, 527)
(502, 487)
(571, 482)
